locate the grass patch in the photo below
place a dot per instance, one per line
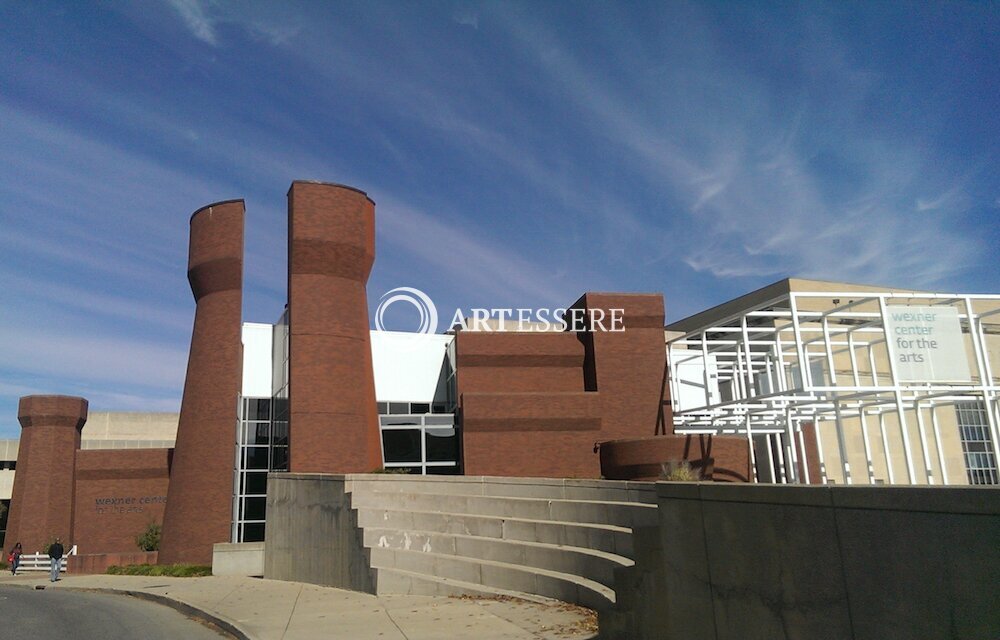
(169, 570)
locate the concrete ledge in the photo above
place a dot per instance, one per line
(238, 559)
(979, 500)
(954, 500)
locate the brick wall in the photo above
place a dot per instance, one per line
(118, 494)
(535, 404)
(331, 248)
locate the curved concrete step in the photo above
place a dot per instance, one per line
(402, 582)
(598, 566)
(626, 514)
(602, 537)
(550, 488)
(498, 575)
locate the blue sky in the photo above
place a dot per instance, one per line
(519, 155)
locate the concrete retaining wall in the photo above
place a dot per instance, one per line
(312, 533)
(813, 562)
(238, 559)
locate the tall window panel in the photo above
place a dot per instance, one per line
(977, 446)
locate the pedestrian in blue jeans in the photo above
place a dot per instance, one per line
(14, 558)
(55, 557)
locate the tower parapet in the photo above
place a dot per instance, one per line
(42, 498)
(199, 500)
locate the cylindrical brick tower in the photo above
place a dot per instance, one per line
(199, 500)
(41, 507)
(331, 248)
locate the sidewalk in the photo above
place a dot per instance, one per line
(258, 609)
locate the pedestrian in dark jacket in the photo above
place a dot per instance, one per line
(55, 557)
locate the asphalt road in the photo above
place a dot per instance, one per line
(55, 614)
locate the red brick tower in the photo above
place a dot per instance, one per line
(199, 500)
(41, 506)
(332, 412)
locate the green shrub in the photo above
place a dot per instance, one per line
(168, 570)
(149, 540)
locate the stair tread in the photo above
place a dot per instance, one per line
(472, 586)
(570, 523)
(614, 557)
(642, 505)
(597, 587)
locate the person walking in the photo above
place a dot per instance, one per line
(55, 557)
(14, 559)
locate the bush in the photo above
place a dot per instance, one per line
(149, 540)
(679, 471)
(169, 570)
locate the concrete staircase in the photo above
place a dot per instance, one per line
(531, 538)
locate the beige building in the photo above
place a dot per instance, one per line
(900, 386)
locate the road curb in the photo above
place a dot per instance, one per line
(225, 625)
(187, 609)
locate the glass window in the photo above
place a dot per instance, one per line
(420, 407)
(253, 508)
(398, 408)
(401, 445)
(973, 425)
(279, 430)
(256, 458)
(253, 532)
(443, 471)
(281, 408)
(442, 445)
(279, 459)
(254, 483)
(258, 409)
(256, 433)
(398, 420)
(383, 408)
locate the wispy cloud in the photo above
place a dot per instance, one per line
(265, 21)
(92, 357)
(763, 197)
(93, 302)
(197, 20)
(466, 17)
(489, 270)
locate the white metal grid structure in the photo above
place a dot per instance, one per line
(826, 371)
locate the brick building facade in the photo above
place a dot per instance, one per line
(556, 404)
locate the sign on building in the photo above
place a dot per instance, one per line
(926, 344)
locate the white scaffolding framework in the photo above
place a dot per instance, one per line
(815, 376)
